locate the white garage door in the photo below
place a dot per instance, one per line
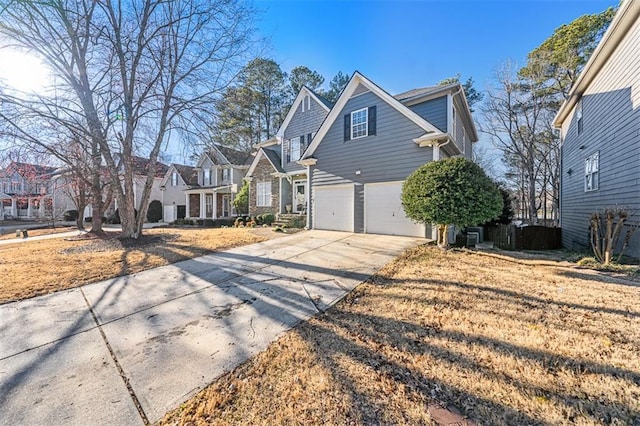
(383, 213)
(168, 214)
(333, 207)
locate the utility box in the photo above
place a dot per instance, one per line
(479, 230)
(472, 239)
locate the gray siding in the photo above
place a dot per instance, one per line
(390, 155)
(434, 111)
(302, 123)
(611, 125)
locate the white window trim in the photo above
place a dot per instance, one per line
(263, 197)
(592, 172)
(366, 123)
(296, 142)
(206, 181)
(226, 174)
(174, 178)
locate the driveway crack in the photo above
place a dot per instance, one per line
(123, 376)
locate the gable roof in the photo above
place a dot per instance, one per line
(416, 92)
(356, 79)
(23, 169)
(224, 156)
(626, 17)
(188, 174)
(141, 165)
(324, 103)
(270, 155)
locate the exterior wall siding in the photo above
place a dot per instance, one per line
(434, 111)
(611, 126)
(390, 155)
(301, 124)
(174, 194)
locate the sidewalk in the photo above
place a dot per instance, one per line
(127, 350)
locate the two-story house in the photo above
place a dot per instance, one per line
(220, 172)
(177, 180)
(600, 130)
(278, 183)
(25, 190)
(360, 152)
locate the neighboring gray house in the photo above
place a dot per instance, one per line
(278, 184)
(600, 130)
(220, 172)
(370, 143)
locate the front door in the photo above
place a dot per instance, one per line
(299, 196)
(226, 205)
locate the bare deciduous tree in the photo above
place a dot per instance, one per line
(127, 75)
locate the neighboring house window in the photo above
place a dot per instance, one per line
(209, 205)
(206, 177)
(294, 154)
(359, 123)
(453, 125)
(263, 198)
(15, 186)
(306, 103)
(174, 179)
(591, 171)
(226, 174)
(464, 140)
(579, 115)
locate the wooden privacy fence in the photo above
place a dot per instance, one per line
(511, 237)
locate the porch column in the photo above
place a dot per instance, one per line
(14, 207)
(232, 209)
(41, 211)
(187, 206)
(215, 205)
(29, 210)
(203, 206)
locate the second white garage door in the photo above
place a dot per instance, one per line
(383, 212)
(333, 207)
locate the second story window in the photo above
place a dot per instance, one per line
(174, 179)
(226, 175)
(579, 115)
(206, 177)
(359, 121)
(296, 149)
(15, 186)
(591, 171)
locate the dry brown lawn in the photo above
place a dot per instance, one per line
(38, 232)
(36, 267)
(505, 342)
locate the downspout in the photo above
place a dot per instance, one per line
(308, 197)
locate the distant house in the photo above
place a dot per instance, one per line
(219, 174)
(26, 190)
(600, 130)
(178, 179)
(343, 165)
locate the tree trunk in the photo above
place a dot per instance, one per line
(443, 236)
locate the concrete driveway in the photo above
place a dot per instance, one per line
(127, 350)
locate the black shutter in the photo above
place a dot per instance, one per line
(347, 127)
(372, 120)
(308, 141)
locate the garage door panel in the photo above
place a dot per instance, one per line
(333, 208)
(384, 213)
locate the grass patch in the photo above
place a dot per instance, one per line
(503, 342)
(38, 267)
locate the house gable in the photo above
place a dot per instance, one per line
(270, 156)
(361, 86)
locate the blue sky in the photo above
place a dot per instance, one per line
(406, 44)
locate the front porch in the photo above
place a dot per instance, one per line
(210, 203)
(294, 194)
(28, 207)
